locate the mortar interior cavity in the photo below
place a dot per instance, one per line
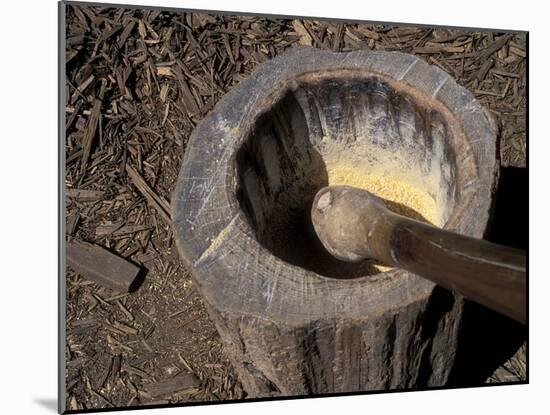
(361, 132)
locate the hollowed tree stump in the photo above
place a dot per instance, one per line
(293, 319)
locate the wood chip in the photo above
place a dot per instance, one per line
(164, 71)
(517, 51)
(91, 129)
(179, 383)
(124, 328)
(141, 29)
(125, 311)
(186, 94)
(493, 47)
(367, 32)
(305, 37)
(161, 205)
(164, 91)
(482, 72)
(101, 266)
(135, 371)
(72, 223)
(84, 195)
(126, 33)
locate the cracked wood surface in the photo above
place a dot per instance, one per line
(290, 331)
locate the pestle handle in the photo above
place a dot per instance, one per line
(354, 225)
(487, 273)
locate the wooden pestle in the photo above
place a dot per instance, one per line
(355, 225)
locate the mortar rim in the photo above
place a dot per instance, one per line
(284, 81)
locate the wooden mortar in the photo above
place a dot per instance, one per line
(293, 319)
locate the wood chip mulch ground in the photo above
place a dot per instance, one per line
(137, 83)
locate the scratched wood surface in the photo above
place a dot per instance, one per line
(137, 84)
(263, 307)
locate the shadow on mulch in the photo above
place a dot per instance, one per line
(488, 339)
(511, 214)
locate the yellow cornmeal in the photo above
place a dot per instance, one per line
(400, 197)
(403, 195)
